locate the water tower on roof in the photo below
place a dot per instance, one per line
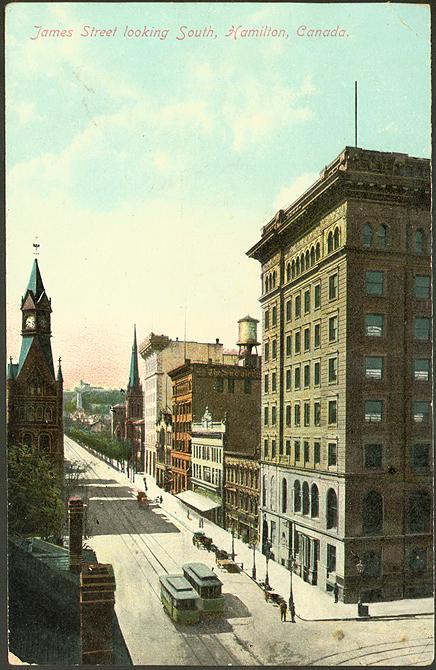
(247, 341)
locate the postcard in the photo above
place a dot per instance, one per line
(219, 386)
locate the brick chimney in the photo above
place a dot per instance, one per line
(75, 513)
(97, 599)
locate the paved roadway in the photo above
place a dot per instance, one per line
(143, 543)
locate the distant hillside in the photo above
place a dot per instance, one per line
(97, 402)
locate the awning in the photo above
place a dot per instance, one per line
(199, 502)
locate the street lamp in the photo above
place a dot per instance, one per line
(253, 570)
(233, 542)
(291, 565)
(360, 568)
(268, 546)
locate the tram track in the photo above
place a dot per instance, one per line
(141, 544)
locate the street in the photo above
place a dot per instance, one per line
(143, 543)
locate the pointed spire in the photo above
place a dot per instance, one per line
(59, 376)
(35, 282)
(134, 374)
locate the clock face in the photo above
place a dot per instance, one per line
(30, 321)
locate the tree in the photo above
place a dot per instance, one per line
(35, 506)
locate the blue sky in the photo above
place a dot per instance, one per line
(147, 167)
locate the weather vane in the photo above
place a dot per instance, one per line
(36, 246)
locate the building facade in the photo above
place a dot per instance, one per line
(346, 485)
(208, 441)
(161, 354)
(128, 418)
(241, 495)
(34, 391)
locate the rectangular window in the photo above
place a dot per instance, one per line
(374, 367)
(422, 286)
(317, 295)
(266, 320)
(288, 379)
(316, 374)
(288, 345)
(274, 349)
(374, 325)
(296, 414)
(306, 452)
(288, 415)
(247, 385)
(266, 351)
(317, 453)
(288, 447)
(288, 310)
(373, 411)
(265, 416)
(332, 412)
(297, 346)
(333, 370)
(421, 369)
(307, 301)
(297, 306)
(220, 384)
(273, 448)
(331, 558)
(231, 385)
(332, 453)
(422, 328)
(333, 287)
(274, 316)
(317, 335)
(421, 456)
(421, 411)
(265, 447)
(273, 382)
(297, 378)
(307, 375)
(375, 282)
(317, 413)
(297, 450)
(306, 339)
(373, 455)
(273, 416)
(306, 413)
(333, 328)
(266, 383)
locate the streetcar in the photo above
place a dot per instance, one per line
(179, 599)
(207, 585)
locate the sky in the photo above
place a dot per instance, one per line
(146, 167)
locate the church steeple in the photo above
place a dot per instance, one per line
(134, 374)
(35, 281)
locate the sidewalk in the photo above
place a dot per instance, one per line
(311, 603)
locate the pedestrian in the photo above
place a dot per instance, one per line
(160, 500)
(283, 610)
(292, 610)
(336, 592)
(145, 483)
(187, 515)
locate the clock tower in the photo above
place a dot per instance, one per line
(34, 390)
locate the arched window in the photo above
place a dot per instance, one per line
(297, 496)
(381, 237)
(305, 497)
(274, 278)
(330, 242)
(312, 256)
(302, 262)
(317, 251)
(298, 266)
(336, 239)
(332, 509)
(272, 492)
(44, 441)
(307, 260)
(419, 241)
(293, 269)
(314, 500)
(288, 272)
(284, 495)
(28, 439)
(367, 236)
(419, 512)
(372, 513)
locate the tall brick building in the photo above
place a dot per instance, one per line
(346, 485)
(34, 391)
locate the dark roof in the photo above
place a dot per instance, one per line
(35, 281)
(134, 374)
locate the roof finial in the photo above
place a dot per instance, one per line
(36, 246)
